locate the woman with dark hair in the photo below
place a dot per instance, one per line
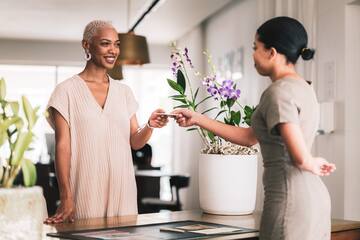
(297, 203)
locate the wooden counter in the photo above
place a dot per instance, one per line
(341, 229)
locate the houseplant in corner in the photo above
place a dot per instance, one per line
(227, 172)
(21, 208)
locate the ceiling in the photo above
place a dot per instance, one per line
(65, 20)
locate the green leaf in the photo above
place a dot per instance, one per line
(8, 122)
(178, 96)
(196, 93)
(180, 79)
(180, 100)
(248, 113)
(226, 121)
(236, 117)
(191, 129)
(202, 101)
(1, 172)
(29, 172)
(182, 106)
(209, 110)
(211, 135)
(175, 86)
(21, 145)
(222, 111)
(29, 112)
(222, 104)
(2, 89)
(3, 138)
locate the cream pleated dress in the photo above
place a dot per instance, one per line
(297, 203)
(102, 179)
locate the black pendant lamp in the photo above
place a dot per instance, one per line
(133, 48)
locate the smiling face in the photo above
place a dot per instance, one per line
(262, 58)
(104, 47)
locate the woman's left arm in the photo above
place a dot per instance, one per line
(139, 136)
(295, 143)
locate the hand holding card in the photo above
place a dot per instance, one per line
(170, 115)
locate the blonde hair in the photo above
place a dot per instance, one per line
(92, 28)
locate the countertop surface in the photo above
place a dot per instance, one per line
(247, 221)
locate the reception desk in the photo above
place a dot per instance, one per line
(341, 229)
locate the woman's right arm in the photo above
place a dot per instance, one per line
(62, 165)
(238, 135)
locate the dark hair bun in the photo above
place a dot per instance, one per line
(307, 53)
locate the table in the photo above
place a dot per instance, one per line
(341, 229)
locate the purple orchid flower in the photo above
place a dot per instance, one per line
(176, 62)
(186, 55)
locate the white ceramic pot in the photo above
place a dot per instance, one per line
(22, 212)
(227, 183)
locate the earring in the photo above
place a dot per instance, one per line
(87, 56)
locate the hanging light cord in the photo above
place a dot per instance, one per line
(143, 15)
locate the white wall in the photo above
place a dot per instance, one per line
(352, 112)
(330, 48)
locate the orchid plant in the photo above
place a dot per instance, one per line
(223, 91)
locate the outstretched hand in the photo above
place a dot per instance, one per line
(64, 213)
(157, 120)
(322, 167)
(185, 117)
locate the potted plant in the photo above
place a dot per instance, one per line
(21, 208)
(227, 172)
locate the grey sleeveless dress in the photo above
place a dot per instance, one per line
(297, 203)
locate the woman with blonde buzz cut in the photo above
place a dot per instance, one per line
(95, 128)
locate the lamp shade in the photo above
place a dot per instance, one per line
(116, 72)
(133, 49)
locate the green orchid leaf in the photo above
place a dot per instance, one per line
(29, 172)
(248, 114)
(175, 86)
(226, 121)
(178, 96)
(236, 117)
(180, 100)
(182, 106)
(211, 135)
(180, 79)
(221, 112)
(21, 145)
(213, 108)
(196, 93)
(191, 129)
(2, 89)
(222, 104)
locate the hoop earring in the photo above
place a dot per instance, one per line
(87, 56)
